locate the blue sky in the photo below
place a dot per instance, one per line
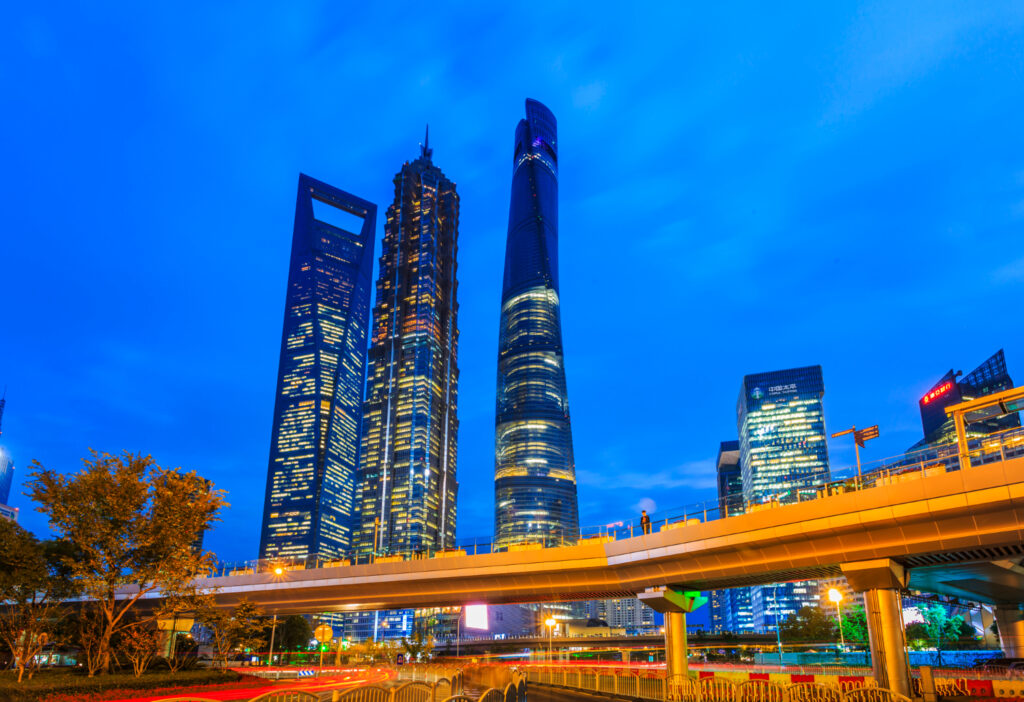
(743, 188)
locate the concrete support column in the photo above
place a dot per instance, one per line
(882, 582)
(1010, 621)
(675, 606)
(625, 655)
(676, 653)
(888, 640)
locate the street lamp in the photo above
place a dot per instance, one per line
(550, 621)
(837, 597)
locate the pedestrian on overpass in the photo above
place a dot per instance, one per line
(645, 521)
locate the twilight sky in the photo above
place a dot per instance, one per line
(743, 188)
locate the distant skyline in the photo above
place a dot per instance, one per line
(741, 189)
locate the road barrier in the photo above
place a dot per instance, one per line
(706, 686)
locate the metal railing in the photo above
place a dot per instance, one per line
(888, 471)
(654, 685)
(440, 689)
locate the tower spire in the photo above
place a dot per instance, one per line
(425, 150)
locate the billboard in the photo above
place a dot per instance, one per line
(476, 616)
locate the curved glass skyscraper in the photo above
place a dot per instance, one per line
(534, 474)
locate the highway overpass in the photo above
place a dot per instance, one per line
(959, 533)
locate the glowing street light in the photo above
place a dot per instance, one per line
(550, 621)
(837, 597)
(278, 570)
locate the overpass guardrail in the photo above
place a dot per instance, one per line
(911, 466)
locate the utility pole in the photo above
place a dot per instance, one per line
(273, 630)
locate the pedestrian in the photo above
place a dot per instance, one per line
(645, 521)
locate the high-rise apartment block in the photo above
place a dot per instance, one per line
(407, 486)
(314, 448)
(627, 613)
(783, 457)
(535, 473)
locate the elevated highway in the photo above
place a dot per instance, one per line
(960, 533)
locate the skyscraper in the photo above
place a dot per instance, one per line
(783, 456)
(314, 447)
(730, 609)
(407, 487)
(990, 377)
(535, 474)
(6, 463)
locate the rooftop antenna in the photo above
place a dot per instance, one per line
(425, 150)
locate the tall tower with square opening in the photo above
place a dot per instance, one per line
(314, 445)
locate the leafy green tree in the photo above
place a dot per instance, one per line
(855, 624)
(132, 525)
(809, 624)
(940, 630)
(33, 584)
(295, 633)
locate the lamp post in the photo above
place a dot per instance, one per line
(550, 621)
(837, 597)
(859, 437)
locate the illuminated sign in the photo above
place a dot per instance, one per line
(476, 616)
(938, 392)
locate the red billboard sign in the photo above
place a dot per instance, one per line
(938, 392)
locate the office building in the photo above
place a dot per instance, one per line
(627, 613)
(535, 474)
(407, 489)
(990, 377)
(783, 457)
(314, 448)
(6, 473)
(781, 423)
(730, 609)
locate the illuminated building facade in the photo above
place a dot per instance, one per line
(781, 423)
(783, 456)
(730, 609)
(627, 613)
(6, 472)
(314, 448)
(990, 377)
(406, 494)
(535, 474)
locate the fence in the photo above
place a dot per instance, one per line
(651, 684)
(419, 684)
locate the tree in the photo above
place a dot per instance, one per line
(809, 624)
(940, 630)
(230, 630)
(33, 585)
(132, 525)
(420, 644)
(140, 646)
(855, 624)
(295, 633)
